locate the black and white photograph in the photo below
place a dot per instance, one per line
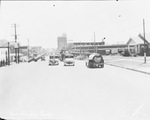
(74, 60)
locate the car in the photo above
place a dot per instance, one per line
(69, 60)
(95, 60)
(53, 60)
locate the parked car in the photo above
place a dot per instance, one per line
(95, 60)
(53, 60)
(69, 60)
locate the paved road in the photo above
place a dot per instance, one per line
(36, 90)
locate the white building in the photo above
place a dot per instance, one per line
(3, 53)
(62, 42)
(3, 50)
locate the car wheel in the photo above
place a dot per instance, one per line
(102, 66)
(64, 64)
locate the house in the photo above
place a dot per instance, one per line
(136, 45)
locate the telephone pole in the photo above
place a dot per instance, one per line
(16, 36)
(144, 41)
(15, 28)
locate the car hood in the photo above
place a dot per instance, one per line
(53, 60)
(69, 60)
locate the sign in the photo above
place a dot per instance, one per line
(23, 47)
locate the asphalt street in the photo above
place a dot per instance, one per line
(38, 91)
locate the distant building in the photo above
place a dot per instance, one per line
(23, 50)
(3, 53)
(61, 42)
(3, 50)
(86, 47)
(136, 45)
(35, 49)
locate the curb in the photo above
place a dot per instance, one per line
(128, 68)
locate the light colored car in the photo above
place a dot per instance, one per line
(69, 60)
(53, 60)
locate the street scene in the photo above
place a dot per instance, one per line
(74, 60)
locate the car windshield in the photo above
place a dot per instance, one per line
(54, 57)
(69, 56)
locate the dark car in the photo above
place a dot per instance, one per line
(69, 60)
(95, 60)
(53, 60)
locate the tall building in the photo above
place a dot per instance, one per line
(61, 42)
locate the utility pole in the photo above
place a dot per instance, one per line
(15, 32)
(16, 41)
(144, 41)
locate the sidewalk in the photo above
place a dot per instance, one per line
(14, 64)
(131, 63)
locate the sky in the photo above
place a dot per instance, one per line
(41, 22)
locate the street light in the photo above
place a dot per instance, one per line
(103, 40)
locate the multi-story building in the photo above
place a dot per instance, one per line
(61, 42)
(3, 53)
(134, 46)
(86, 47)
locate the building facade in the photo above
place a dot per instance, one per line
(61, 42)
(138, 44)
(3, 53)
(98, 47)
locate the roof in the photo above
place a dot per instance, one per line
(131, 42)
(137, 40)
(147, 38)
(94, 54)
